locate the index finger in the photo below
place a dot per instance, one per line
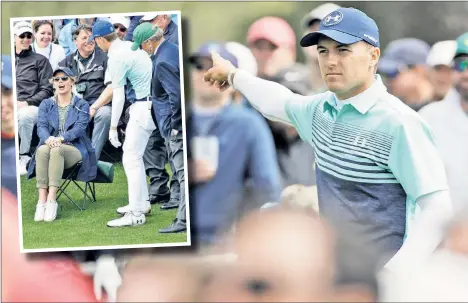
(215, 57)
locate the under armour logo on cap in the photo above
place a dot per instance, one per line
(333, 18)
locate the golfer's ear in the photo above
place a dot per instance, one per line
(375, 56)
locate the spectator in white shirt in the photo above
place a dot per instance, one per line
(43, 42)
(449, 122)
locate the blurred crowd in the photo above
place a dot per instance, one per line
(242, 166)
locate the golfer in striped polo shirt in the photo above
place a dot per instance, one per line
(376, 159)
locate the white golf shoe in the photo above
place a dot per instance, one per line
(129, 219)
(126, 209)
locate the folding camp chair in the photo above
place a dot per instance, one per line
(105, 174)
(69, 176)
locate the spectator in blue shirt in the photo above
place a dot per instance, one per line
(228, 145)
(66, 37)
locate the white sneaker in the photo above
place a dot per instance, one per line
(129, 219)
(126, 209)
(23, 162)
(50, 211)
(40, 211)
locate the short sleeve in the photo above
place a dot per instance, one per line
(116, 73)
(300, 113)
(415, 160)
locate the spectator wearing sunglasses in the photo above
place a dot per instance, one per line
(43, 44)
(230, 147)
(89, 64)
(405, 72)
(121, 25)
(449, 122)
(33, 72)
(61, 127)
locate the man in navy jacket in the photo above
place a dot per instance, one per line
(166, 97)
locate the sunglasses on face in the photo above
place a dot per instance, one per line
(120, 28)
(460, 64)
(25, 35)
(57, 79)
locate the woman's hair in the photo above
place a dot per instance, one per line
(36, 24)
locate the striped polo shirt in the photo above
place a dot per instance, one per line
(131, 68)
(375, 157)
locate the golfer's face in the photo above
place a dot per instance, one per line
(343, 67)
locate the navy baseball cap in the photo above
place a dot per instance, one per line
(101, 28)
(402, 53)
(345, 25)
(7, 72)
(65, 70)
(206, 49)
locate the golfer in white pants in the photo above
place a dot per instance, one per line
(125, 65)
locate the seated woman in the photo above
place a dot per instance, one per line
(61, 127)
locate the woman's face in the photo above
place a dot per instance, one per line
(44, 35)
(62, 83)
(23, 41)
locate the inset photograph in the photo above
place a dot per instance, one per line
(101, 131)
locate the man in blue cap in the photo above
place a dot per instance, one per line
(8, 128)
(376, 159)
(135, 69)
(405, 72)
(229, 146)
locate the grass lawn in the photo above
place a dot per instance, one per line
(75, 228)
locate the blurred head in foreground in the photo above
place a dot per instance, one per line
(287, 255)
(161, 279)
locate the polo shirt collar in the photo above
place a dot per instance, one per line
(362, 102)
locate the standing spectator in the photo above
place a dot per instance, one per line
(33, 72)
(296, 158)
(228, 144)
(121, 25)
(167, 107)
(310, 24)
(66, 36)
(439, 61)
(449, 122)
(165, 23)
(8, 128)
(61, 126)
(273, 43)
(89, 64)
(44, 42)
(134, 21)
(405, 71)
